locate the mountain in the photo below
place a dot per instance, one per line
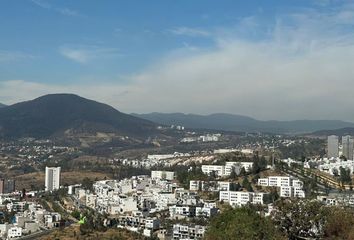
(230, 122)
(58, 114)
(338, 132)
(2, 105)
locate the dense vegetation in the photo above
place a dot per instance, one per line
(242, 223)
(293, 219)
(301, 150)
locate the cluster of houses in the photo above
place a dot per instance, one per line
(333, 165)
(328, 165)
(136, 201)
(152, 160)
(202, 138)
(337, 199)
(25, 217)
(139, 203)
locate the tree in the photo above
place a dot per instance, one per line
(235, 186)
(300, 218)
(241, 223)
(87, 183)
(271, 197)
(243, 172)
(344, 175)
(246, 184)
(233, 174)
(339, 224)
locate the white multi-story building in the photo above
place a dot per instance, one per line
(226, 170)
(183, 211)
(289, 187)
(219, 170)
(182, 231)
(196, 185)
(275, 181)
(205, 211)
(348, 146)
(209, 138)
(238, 198)
(332, 146)
(162, 175)
(52, 178)
(229, 166)
(14, 232)
(291, 191)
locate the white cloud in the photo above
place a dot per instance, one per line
(68, 12)
(191, 32)
(7, 56)
(302, 70)
(63, 11)
(85, 54)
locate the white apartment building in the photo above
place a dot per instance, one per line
(289, 187)
(234, 165)
(14, 232)
(332, 146)
(292, 191)
(205, 211)
(182, 231)
(238, 198)
(196, 185)
(166, 175)
(219, 170)
(52, 178)
(275, 181)
(225, 170)
(180, 210)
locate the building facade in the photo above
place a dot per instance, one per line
(348, 145)
(332, 146)
(52, 178)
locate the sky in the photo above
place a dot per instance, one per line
(271, 59)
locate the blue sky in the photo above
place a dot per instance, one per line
(181, 55)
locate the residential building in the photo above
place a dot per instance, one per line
(162, 175)
(7, 186)
(238, 198)
(184, 231)
(289, 187)
(348, 145)
(52, 178)
(218, 170)
(196, 185)
(226, 170)
(332, 146)
(14, 232)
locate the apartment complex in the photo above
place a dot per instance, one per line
(52, 178)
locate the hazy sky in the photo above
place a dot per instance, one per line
(266, 59)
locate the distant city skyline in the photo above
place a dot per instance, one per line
(280, 60)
